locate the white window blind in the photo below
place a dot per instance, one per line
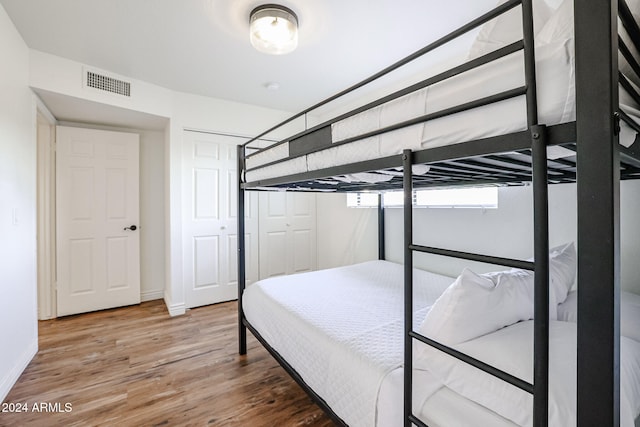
(474, 197)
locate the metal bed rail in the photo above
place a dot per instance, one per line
(597, 149)
(529, 90)
(525, 44)
(467, 66)
(625, 14)
(540, 386)
(505, 7)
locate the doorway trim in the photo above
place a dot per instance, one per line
(46, 237)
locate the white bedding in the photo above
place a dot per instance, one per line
(341, 330)
(629, 313)
(555, 65)
(511, 349)
(446, 408)
(433, 403)
(556, 103)
(343, 346)
(556, 100)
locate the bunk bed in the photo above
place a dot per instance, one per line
(487, 121)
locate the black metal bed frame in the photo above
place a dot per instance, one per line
(599, 164)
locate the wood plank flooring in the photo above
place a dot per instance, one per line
(137, 366)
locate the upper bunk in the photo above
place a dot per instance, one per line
(472, 124)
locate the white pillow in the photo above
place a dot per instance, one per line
(475, 305)
(563, 264)
(507, 28)
(562, 270)
(560, 27)
(629, 313)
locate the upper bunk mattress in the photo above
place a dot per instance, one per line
(555, 76)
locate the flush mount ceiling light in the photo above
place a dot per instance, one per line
(273, 29)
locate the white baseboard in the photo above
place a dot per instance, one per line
(151, 295)
(9, 381)
(174, 309)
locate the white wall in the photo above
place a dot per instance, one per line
(152, 215)
(508, 230)
(630, 236)
(345, 235)
(23, 68)
(63, 76)
(183, 111)
(18, 302)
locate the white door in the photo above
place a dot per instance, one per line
(287, 233)
(210, 220)
(97, 216)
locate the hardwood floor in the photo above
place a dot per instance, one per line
(136, 366)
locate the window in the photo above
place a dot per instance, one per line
(362, 200)
(474, 197)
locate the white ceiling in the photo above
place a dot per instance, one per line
(202, 46)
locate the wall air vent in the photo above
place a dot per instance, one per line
(108, 84)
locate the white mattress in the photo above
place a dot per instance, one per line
(511, 350)
(446, 408)
(629, 313)
(555, 67)
(556, 105)
(433, 403)
(341, 329)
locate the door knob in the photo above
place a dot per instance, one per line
(132, 228)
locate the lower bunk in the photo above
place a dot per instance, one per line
(339, 332)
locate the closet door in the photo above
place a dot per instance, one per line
(210, 220)
(287, 233)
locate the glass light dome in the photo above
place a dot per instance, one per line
(273, 29)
